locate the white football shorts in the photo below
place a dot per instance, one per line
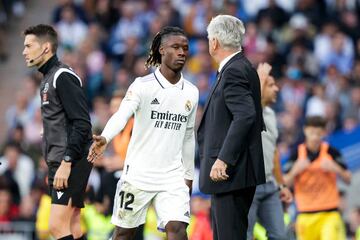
(131, 205)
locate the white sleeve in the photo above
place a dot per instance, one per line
(129, 105)
(188, 148)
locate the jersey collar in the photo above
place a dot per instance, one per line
(44, 69)
(164, 83)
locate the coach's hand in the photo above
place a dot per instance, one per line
(62, 176)
(97, 148)
(218, 171)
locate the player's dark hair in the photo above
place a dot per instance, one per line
(315, 121)
(44, 32)
(154, 58)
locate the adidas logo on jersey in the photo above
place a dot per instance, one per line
(187, 214)
(155, 101)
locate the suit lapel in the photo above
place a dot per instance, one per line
(218, 79)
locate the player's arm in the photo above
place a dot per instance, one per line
(338, 165)
(277, 168)
(117, 122)
(290, 169)
(188, 148)
(285, 193)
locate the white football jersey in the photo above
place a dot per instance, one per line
(162, 146)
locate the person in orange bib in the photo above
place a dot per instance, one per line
(312, 170)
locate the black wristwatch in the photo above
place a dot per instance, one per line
(67, 159)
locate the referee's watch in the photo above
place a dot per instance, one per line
(67, 159)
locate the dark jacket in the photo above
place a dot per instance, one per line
(65, 115)
(230, 128)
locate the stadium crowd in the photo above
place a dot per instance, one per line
(312, 45)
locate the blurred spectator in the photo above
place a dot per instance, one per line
(19, 112)
(71, 30)
(313, 10)
(19, 166)
(341, 54)
(61, 4)
(168, 15)
(8, 211)
(106, 14)
(200, 223)
(129, 25)
(316, 105)
(197, 19)
(301, 56)
(278, 15)
(100, 113)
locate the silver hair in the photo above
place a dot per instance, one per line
(228, 30)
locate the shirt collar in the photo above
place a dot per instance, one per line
(165, 83)
(225, 60)
(44, 69)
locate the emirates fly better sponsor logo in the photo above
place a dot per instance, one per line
(168, 120)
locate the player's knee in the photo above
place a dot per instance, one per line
(176, 228)
(124, 233)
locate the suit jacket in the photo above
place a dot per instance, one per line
(230, 128)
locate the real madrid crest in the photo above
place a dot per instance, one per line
(188, 106)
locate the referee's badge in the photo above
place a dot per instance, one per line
(188, 106)
(46, 88)
(45, 95)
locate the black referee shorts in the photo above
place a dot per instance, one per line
(77, 183)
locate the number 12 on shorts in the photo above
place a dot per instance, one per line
(126, 199)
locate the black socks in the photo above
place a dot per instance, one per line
(69, 237)
(81, 238)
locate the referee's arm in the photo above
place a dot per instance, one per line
(73, 100)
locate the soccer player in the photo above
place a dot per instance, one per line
(159, 163)
(313, 169)
(67, 131)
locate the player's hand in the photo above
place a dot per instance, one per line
(218, 171)
(97, 148)
(286, 195)
(329, 165)
(300, 166)
(62, 175)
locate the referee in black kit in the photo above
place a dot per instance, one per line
(67, 131)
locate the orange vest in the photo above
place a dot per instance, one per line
(121, 141)
(315, 188)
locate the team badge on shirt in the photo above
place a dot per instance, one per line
(188, 106)
(45, 95)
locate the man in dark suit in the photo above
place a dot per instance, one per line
(229, 134)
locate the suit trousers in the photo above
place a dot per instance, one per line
(230, 213)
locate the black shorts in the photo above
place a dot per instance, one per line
(77, 183)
